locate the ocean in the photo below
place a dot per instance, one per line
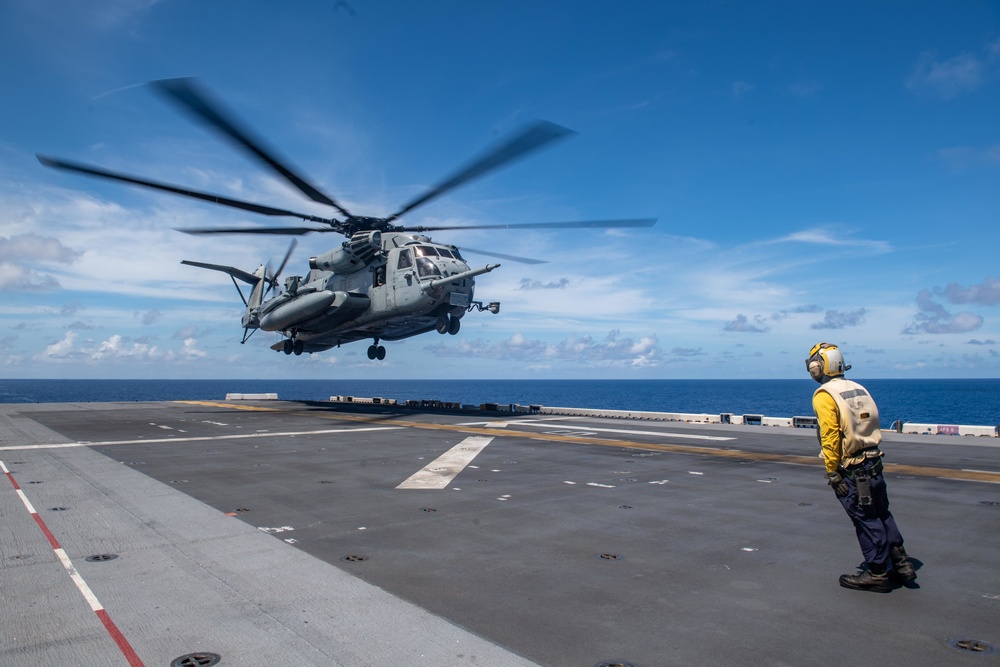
(970, 402)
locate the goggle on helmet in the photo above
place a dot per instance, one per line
(829, 357)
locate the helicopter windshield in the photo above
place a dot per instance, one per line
(426, 268)
(425, 251)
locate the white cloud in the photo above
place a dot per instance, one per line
(116, 348)
(830, 237)
(742, 325)
(934, 319)
(37, 248)
(985, 294)
(613, 350)
(946, 78)
(190, 351)
(835, 319)
(19, 252)
(60, 349)
(19, 278)
(910, 367)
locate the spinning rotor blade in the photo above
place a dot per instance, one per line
(277, 231)
(582, 224)
(90, 170)
(530, 139)
(513, 258)
(186, 93)
(272, 279)
(288, 253)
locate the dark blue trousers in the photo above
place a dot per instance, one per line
(876, 529)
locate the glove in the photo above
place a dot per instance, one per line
(839, 484)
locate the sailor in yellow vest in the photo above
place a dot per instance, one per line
(849, 436)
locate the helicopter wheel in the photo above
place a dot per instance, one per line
(298, 347)
(454, 325)
(442, 324)
(287, 346)
(380, 353)
(372, 352)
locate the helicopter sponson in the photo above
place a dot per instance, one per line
(283, 314)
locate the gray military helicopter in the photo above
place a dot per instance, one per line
(385, 282)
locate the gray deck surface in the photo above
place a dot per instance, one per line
(273, 533)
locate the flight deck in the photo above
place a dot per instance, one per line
(315, 533)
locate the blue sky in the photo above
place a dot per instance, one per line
(820, 172)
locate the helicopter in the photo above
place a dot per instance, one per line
(385, 282)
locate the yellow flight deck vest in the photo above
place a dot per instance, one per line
(859, 424)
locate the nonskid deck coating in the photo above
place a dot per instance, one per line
(277, 529)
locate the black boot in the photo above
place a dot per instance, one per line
(871, 578)
(901, 564)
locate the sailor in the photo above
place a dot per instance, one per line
(849, 437)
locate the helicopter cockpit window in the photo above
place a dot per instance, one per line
(444, 252)
(426, 267)
(404, 260)
(425, 251)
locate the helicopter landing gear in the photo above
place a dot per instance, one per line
(448, 324)
(376, 351)
(293, 346)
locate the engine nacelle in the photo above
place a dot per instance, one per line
(353, 255)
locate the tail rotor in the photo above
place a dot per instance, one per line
(262, 282)
(272, 279)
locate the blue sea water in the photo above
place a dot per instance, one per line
(974, 402)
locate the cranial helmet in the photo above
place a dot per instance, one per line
(825, 360)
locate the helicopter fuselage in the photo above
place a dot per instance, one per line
(384, 286)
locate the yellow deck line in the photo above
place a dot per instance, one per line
(728, 453)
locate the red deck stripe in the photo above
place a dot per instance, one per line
(53, 542)
(123, 645)
(116, 634)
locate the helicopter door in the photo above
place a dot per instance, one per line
(401, 279)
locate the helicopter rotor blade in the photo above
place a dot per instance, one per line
(581, 224)
(276, 231)
(513, 258)
(530, 139)
(288, 253)
(90, 170)
(272, 281)
(185, 92)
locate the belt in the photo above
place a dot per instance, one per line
(864, 470)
